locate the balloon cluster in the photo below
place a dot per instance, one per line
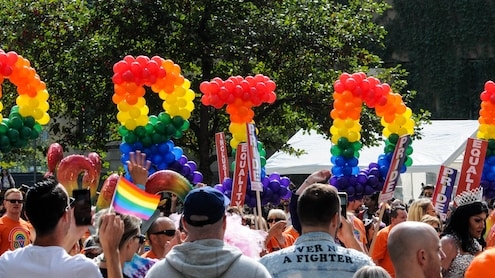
(31, 112)
(351, 91)
(486, 131)
(275, 189)
(153, 134)
(240, 95)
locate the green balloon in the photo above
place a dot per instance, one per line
(16, 122)
(130, 138)
(335, 150)
(25, 132)
(34, 134)
(147, 141)
(149, 128)
(13, 134)
(491, 144)
(263, 161)
(178, 121)
(38, 127)
(185, 126)
(153, 119)
(343, 142)
(178, 134)
(348, 153)
(393, 138)
(3, 128)
(4, 141)
(160, 127)
(123, 131)
(140, 131)
(29, 121)
(165, 118)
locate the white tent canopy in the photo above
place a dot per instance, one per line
(443, 143)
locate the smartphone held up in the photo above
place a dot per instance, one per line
(82, 206)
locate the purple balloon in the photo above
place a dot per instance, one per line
(283, 191)
(182, 160)
(220, 188)
(193, 165)
(274, 176)
(265, 181)
(186, 170)
(284, 181)
(333, 181)
(274, 185)
(197, 177)
(362, 178)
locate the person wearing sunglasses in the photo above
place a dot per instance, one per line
(132, 240)
(162, 236)
(48, 208)
(15, 232)
(277, 238)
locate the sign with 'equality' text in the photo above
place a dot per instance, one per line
(472, 165)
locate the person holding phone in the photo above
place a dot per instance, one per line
(315, 252)
(49, 209)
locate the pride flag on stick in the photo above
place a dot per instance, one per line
(130, 199)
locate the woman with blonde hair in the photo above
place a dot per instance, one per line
(371, 272)
(419, 208)
(277, 238)
(433, 221)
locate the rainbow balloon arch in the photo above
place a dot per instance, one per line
(30, 113)
(153, 135)
(240, 95)
(487, 132)
(351, 91)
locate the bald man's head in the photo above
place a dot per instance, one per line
(415, 248)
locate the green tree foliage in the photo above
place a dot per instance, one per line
(447, 46)
(302, 45)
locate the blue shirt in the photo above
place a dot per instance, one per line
(315, 255)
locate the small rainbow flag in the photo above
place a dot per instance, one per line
(130, 199)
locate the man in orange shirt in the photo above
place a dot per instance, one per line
(357, 225)
(162, 236)
(14, 231)
(379, 252)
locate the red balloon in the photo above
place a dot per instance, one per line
(490, 86)
(204, 87)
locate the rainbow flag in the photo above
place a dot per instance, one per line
(130, 199)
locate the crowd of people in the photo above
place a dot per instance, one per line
(205, 236)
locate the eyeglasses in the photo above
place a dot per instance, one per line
(141, 237)
(274, 220)
(71, 203)
(165, 232)
(13, 201)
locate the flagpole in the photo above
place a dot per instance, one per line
(110, 208)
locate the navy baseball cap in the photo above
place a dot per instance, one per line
(204, 205)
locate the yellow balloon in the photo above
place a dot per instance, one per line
(190, 95)
(190, 106)
(45, 119)
(25, 111)
(42, 95)
(234, 143)
(187, 84)
(184, 113)
(22, 100)
(44, 106)
(134, 112)
(123, 106)
(122, 117)
(130, 124)
(142, 120)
